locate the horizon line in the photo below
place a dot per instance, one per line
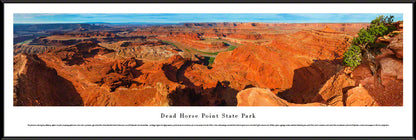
(175, 23)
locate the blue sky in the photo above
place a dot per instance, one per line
(199, 17)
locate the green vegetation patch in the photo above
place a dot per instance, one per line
(209, 53)
(352, 57)
(170, 43)
(211, 61)
(26, 41)
(232, 47)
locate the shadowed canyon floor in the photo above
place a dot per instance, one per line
(204, 64)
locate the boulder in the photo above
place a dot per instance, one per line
(396, 44)
(332, 92)
(391, 67)
(359, 96)
(259, 97)
(264, 97)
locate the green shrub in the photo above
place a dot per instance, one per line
(364, 37)
(383, 20)
(383, 24)
(379, 30)
(352, 57)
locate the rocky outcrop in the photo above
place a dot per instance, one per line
(48, 42)
(249, 36)
(264, 97)
(102, 81)
(396, 45)
(333, 91)
(259, 97)
(320, 44)
(387, 89)
(189, 35)
(391, 67)
(92, 34)
(121, 73)
(309, 82)
(148, 49)
(143, 43)
(31, 49)
(75, 55)
(36, 84)
(359, 96)
(338, 91)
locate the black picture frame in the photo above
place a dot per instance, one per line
(201, 1)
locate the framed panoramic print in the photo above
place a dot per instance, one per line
(262, 70)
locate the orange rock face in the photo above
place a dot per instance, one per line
(389, 90)
(78, 54)
(264, 97)
(396, 45)
(359, 96)
(259, 97)
(283, 67)
(36, 84)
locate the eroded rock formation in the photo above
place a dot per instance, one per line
(36, 84)
(264, 97)
(390, 91)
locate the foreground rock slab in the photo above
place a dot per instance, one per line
(359, 96)
(264, 97)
